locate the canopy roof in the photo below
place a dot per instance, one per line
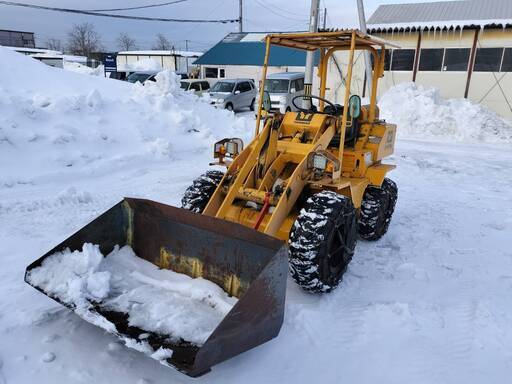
(311, 41)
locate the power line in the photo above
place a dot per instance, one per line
(139, 7)
(285, 10)
(90, 13)
(277, 13)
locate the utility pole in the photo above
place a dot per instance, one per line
(367, 62)
(186, 49)
(240, 16)
(310, 55)
(325, 17)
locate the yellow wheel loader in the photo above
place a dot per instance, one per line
(313, 178)
(296, 198)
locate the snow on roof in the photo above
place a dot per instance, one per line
(34, 50)
(47, 56)
(162, 53)
(447, 14)
(75, 58)
(244, 37)
(286, 75)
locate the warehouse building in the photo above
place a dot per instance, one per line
(179, 61)
(17, 39)
(241, 55)
(463, 48)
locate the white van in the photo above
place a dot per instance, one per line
(283, 87)
(199, 86)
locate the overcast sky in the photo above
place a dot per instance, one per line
(259, 15)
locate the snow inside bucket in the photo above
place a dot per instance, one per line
(186, 289)
(156, 300)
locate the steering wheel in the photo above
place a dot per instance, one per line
(311, 97)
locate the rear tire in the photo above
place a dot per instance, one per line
(196, 196)
(322, 241)
(377, 209)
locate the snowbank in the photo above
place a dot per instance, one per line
(83, 69)
(54, 121)
(160, 301)
(422, 113)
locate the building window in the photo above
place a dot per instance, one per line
(488, 59)
(222, 72)
(387, 59)
(211, 73)
(431, 59)
(456, 59)
(507, 61)
(403, 60)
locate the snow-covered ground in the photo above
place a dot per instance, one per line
(429, 303)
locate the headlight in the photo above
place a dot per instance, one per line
(228, 148)
(219, 101)
(319, 162)
(232, 148)
(282, 100)
(323, 163)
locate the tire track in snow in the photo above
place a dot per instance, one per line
(460, 342)
(350, 323)
(460, 328)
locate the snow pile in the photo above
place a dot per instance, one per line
(54, 121)
(160, 301)
(73, 277)
(422, 112)
(141, 65)
(83, 69)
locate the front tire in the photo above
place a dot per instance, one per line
(252, 105)
(377, 209)
(322, 241)
(229, 107)
(197, 196)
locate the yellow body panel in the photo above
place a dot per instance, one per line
(266, 183)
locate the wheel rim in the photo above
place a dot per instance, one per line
(229, 107)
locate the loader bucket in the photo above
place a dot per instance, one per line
(243, 262)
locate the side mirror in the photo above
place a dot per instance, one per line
(293, 90)
(237, 92)
(266, 103)
(354, 106)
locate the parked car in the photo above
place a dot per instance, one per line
(117, 75)
(233, 94)
(142, 76)
(199, 86)
(283, 87)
